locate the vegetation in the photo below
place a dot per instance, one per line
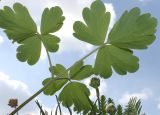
(114, 52)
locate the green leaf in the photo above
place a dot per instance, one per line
(17, 23)
(79, 71)
(97, 22)
(52, 20)
(29, 50)
(77, 95)
(51, 42)
(122, 61)
(58, 84)
(54, 87)
(133, 30)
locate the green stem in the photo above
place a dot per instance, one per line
(48, 56)
(59, 105)
(50, 82)
(98, 97)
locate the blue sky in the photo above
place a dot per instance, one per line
(20, 80)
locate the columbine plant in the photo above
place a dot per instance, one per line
(114, 52)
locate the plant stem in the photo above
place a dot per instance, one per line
(59, 105)
(50, 82)
(48, 56)
(98, 98)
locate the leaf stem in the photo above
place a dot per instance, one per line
(98, 97)
(48, 56)
(50, 82)
(59, 106)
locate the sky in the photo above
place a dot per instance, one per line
(19, 80)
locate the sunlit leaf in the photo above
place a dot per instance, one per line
(122, 61)
(75, 94)
(29, 50)
(52, 20)
(58, 84)
(17, 23)
(96, 24)
(51, 42)
(79, 71)
(133, 30)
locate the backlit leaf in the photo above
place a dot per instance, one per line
(75, 94)
(17, 23)
(51, 42)
(79, 71)
(133, 30)
(52, 20)
(29, 50)
(122, 61)
(58, 84)
(96, 24)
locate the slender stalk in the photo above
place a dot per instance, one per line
(59, 105)
(50, 82)
(98, 97)
(48, 56)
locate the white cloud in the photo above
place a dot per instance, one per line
(72, 12)
(144, 95)
(158, 106)
(102, 88)
(145, 1)
(14, 89)
(1, 39)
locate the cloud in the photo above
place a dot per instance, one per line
(144, 95)
(1, 39)
(158, 106)
(14, 89)
(72, 12)
(144, 1)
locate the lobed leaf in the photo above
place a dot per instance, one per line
(51, 42)
(79, 71)
(97, 22)
(133, 30)
(77, 95)
(58, 84)
(29, 50)
(52, 20)
(17, 23)
(122, 61)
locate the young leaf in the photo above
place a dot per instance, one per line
(52, 20)
(58, 84)
(121, 60)
(54, 87)
(133, 30)
(76, 95)
(29, 50)
(79, 71)
(17, 23)
(97, 22)
(51, 42)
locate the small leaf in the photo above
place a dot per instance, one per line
(79, 71)
(17, 23)
(84, 72)
(58, 84)
(54, 87)
(29, 50)
(76, 95)
(60, 70)
(52, 20)
(97, 22)
(133, 30)
(75, 68)
(51, 42)
(121, 60)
